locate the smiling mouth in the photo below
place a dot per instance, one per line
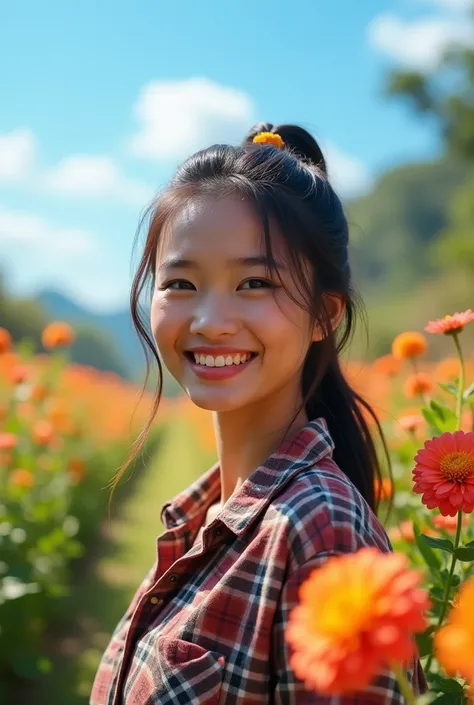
(219, 360)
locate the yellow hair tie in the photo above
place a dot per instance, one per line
(272, 138)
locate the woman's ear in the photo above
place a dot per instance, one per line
(335, 307)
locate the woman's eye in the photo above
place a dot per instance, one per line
(178, 285)
(256, 284)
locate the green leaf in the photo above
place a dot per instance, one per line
(430, 417)
(446, 685)
(449, 387)
(464, 553)
(441, 544)
(424, 642)
(450, 699)
(430, 557)
(437, 593)
(469, 392)
(446, 419)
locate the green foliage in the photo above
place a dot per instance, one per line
(394, 226)
(93, 347)
(449, 102)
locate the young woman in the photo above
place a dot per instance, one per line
(252, 302)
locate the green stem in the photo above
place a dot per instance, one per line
(460, 394)
(405, 687)
(447, 589)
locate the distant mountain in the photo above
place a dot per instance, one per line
(117, 326)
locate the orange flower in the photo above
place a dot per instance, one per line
(271, 138)
(444, 473)
(8, 441)
(452, 324)
(387, 365)
(22, 478)
(405, 532)
(42, 432)
(409, 345)
(39, 392)
(6, 342)
(449, 523)
(19, 374)
(385, 489)
(57, 334)
(412, 423)
(454, 643)
(76, 469)
(356, 615)
(418, 385)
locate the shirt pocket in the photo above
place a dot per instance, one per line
(171, 671)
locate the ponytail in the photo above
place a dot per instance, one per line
(346, 414)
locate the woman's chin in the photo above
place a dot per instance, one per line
(215, 402)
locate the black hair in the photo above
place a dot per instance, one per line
(289, 187)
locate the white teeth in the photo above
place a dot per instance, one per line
(221, 360)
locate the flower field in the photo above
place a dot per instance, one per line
(65, 430)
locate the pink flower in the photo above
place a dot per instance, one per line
(450, 324)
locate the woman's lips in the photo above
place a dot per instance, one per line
(218, 372)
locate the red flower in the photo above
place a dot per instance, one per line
(444, 473)
(450, 324)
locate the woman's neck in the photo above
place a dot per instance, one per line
(247, 437)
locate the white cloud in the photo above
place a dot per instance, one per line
(349, 176)
(27, 233)
(95, 177)
(176, 118)
(82, 176)
(17, 154)
(419, 44)
(452, 4)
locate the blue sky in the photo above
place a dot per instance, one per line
(101, 100)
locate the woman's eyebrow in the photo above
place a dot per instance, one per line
(177, 263)
(257, 261)
(252, 261)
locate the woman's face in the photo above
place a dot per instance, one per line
(227, 332)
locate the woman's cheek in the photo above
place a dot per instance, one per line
(164, 323)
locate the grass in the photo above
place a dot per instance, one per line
(125, 552)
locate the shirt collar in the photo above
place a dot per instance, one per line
(303, 449)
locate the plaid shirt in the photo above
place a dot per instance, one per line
(207, 624)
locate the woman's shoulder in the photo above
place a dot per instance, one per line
(323, 512)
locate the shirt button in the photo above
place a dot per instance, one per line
(218, 532)
(173, 578)
(156, 600)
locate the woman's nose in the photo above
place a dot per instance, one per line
(213, 318)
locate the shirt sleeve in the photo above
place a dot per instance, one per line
(289, 690)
